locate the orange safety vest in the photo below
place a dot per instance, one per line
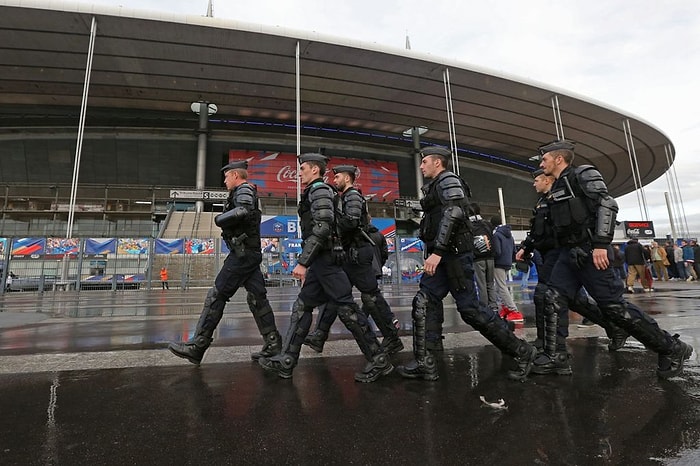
(163, 275)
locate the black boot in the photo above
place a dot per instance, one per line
(524, 360)
(192, 350)
(420, 368)
(617, 336)
(378, 366)
(281, 364)
(391, 345)
(316, 339)
(557, 364)
(272, 346)
(671, 365)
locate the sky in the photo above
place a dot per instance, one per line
(642, 57)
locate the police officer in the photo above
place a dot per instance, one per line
(583, 217)
(553, 327)
(360, 265)
(448, 268)
(240, 225)
(323, 280)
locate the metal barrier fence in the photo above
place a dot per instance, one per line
(34, 265)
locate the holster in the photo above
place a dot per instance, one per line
(236, 245)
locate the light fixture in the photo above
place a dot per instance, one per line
(407, 133)
(196, 106)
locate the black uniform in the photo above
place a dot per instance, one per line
(240, 224)
(361, 267)
(325, 282)
(583, 216)
(445, 231)
(553, 323)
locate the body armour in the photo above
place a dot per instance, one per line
(242, 215)
(352, 218)
(316, 220)
(541, 234)
(581, 209)
(445, 225)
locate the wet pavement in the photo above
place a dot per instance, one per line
(85, 379)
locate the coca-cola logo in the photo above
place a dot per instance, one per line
(287, 173)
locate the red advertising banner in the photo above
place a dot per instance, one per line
(275, 174)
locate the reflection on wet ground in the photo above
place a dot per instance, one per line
(613, 410)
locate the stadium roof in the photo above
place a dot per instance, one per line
(160, 62)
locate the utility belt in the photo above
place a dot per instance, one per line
(236, 244)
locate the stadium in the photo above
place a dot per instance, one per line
(114, 124)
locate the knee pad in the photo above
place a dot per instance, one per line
(299, 308)
(552, 301)
(214, 300)
(368, 300)
(420, 306)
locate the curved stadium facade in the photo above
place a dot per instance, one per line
(142, 145)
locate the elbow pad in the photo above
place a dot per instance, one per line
(310, 249)
(605, 221)
(228, 219)
(450, 219)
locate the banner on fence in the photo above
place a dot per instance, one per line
(56, 248)
(132, 246)
(170, 246)
(199, 246)
(97, 247)
(28, 248)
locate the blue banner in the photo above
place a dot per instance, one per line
(285, 226)
(28, 247)
(170, 246)
(100, 246)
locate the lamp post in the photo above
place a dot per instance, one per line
(415, 133)
(199, 108)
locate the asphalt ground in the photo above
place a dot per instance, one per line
(85, 379)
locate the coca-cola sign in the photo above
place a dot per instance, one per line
(287, 173)
(639, 229)
(275, 174)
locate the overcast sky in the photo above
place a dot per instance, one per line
(640, 56)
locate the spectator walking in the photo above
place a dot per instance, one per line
(634, 257)
(660, 261)
(483, 258)
(678, 258)
(689, 261)
(504, 255)
(671, 267)
(618, 263)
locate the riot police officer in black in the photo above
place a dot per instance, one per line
(323, 280)
(240, 225)
(360, 265)
(583, 217)
(446, 233)
(553, 324)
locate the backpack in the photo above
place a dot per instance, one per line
(483, 237)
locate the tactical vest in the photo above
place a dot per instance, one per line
(433, 204)
(541, 229)
(306, 221)
(250, 224)
(569, 209)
